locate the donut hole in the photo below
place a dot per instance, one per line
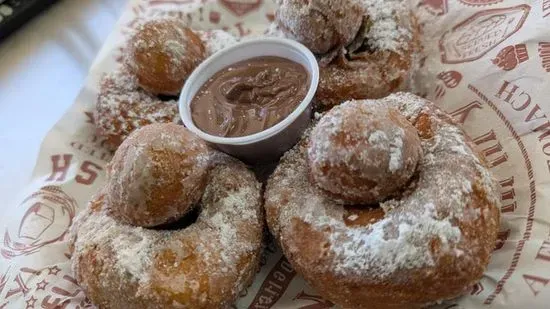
(162, 54)
(184, 222)
(321, 25)
(157, 175)
(362, 153)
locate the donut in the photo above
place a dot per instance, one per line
(321, 25)
(378, 62)
(362, 153)
(122, 106)
(204, 260)
(429, 243)
(370, 76)
(162, 54)
(157, 175)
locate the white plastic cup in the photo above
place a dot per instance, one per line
(270, 144)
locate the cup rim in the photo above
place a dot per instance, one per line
(185, 109)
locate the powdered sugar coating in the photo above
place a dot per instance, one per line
(388, 28)
(122, 107)
(204, 265)
(273, 30)
(363, 152)
(396, 151)
(216, 40)
(436, 236)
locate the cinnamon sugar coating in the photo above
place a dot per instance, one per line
(435, 237)
(162, 54)
(157, 175)
(363, 153)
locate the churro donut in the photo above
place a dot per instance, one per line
(362, 153)
(157, 175)
(321, 25)
(204, 263)
(122, 106)
(162, 54)
(435, 236)
(378, 62)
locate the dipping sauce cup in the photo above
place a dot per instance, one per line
(268, 145)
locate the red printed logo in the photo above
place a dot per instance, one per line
(450, 79)
(214, 17)
(510, 56)
(37, 229)
(48, 288)
(241, 7)
(480, 2)
(544, 53)
(477, 35)
(435, 7)
(546, 8)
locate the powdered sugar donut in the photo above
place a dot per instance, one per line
(321, 25)
(162, 54)
(123, 106)
(202, 263)
(378, 62)
(363, 153)
(435, 237)
(157, 175)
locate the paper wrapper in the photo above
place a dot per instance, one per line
(487, 63)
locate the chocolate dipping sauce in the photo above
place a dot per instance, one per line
(249, 96)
